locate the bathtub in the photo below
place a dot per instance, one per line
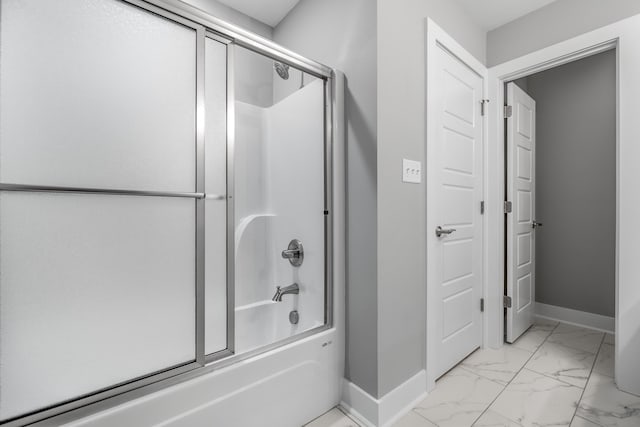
(286, 386)
(266, 322)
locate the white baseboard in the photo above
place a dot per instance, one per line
(576, 317)
(389, 408)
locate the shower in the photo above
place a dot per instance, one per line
(282, 70)
(184, 287)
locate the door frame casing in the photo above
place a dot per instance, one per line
(624, 36)
(437, 38)
(496, 185)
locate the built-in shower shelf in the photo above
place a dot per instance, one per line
(244, 223)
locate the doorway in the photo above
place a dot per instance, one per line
(561, 174)
(625, 35)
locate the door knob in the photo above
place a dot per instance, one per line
(535, 224)
(440, 231)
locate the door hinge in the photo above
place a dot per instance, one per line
(482, 207)
(482, 305)
(483, 105)
(508, 111)
(508, 207)
(506, 301)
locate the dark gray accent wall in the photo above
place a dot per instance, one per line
(576, 184)
(553, 23)
(342, 34)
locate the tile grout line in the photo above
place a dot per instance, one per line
(573, 348)
(348, 416)
(558, 379)
(514, 376)
(595, 360)
(318, 417)
(423, 417)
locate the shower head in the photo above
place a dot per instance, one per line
(282, 70)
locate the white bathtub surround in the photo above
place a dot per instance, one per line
(305, 372)
(279, 197)
(385, 411)
(575, 317)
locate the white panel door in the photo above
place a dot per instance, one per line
(456, 257)
(521, 159)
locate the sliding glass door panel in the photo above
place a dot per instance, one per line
(95, 290)
(215, 152)
(215, 276)
(98, 94)
(215, 155)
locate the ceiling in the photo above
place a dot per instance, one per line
(490, 14)
(270, 12)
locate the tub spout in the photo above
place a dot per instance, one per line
(291, 289)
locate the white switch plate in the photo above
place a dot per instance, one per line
(411, 171)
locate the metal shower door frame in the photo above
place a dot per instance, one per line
(205, 26)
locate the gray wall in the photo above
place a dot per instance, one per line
(342, 34)
(401, 207)
(576, 184)
(522, 83)
(560, 20)
(386, 242)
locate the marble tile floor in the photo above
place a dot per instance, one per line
(554, 375)
(333, 418)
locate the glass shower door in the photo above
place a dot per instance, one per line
(97, 208)
(164, 202)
